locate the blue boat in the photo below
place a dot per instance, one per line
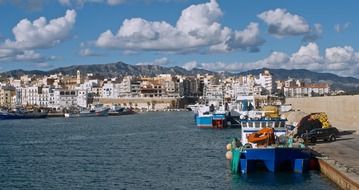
(272, 159)
(264, 144)
(211, 120)
(210, 117)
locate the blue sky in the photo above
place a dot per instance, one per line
(217, 35)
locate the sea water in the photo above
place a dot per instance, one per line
(160, 150)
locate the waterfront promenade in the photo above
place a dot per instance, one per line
(338, 160)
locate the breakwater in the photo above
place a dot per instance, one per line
(343, 111)
(340, 157)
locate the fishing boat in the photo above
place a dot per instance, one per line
(264, 142)
(210, 116)
(97, 111)
(71, 115)
(22, 114)
(116, 110)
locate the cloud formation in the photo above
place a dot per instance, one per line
(36, 35)
(40, 33)
(282, 23)
(315, 33)
(343, 61)
(197, 30)
(341, 27)
(87, 52)
(81, 3)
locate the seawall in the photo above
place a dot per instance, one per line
(141, 103)
(338, 160)
(338, 174)
(343, 111)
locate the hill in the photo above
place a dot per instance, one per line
(349, 84)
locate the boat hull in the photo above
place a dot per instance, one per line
(102, 112)
(211, 121)
(71, 115)
(274, 159)
(7, 115)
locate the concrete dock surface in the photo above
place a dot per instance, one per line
(342, 157)
(338, 160)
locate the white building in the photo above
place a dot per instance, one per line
(109, 90)
(29, 96)
(266, 81)
(43, 97)
(82, 98)
(66, 98)
(303, 90)
(125, 87)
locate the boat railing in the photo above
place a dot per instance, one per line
(262, 123)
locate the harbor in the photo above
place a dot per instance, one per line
(273, 143)
(177, 94)
(129, 152)
(338, 159)
(340, 166)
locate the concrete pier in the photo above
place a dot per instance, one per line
(342, 111)
(338, 160)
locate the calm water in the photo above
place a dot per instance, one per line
(144, 151)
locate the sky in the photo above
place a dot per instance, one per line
(218, 35)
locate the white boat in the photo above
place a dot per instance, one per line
(71, 115)
(193, 107)
(244, 106)
(97, 111)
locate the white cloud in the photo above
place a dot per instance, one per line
(86, 52)
(306, 54)
(314, 33)
(160, 61)
(5, 53)
(115, 2)
(22, 56)
(197, 29)
(340, 54)
(35, 35)
(248, 39)
(44, 65)
(28, 55)
(81, 3)
(282, 23)
(78, 3)
(341, 27)
(40, 33)
(343, 61)
(190, 65)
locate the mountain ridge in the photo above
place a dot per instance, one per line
(120, 69)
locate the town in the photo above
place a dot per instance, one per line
(60, 92)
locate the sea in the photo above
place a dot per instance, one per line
(155, 150)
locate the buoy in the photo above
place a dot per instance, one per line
(229, 155)
(229, 146)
